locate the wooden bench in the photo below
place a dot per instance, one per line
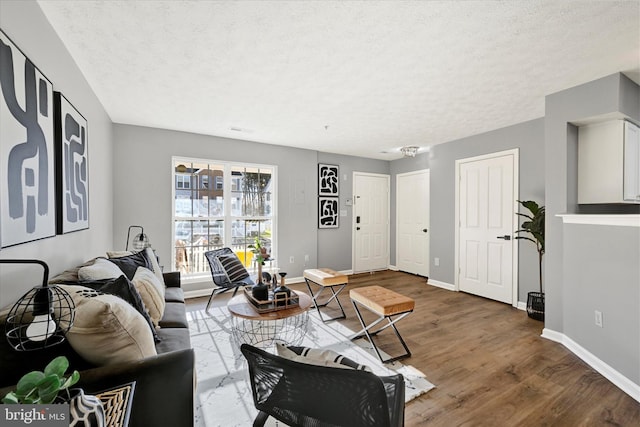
(326, 278)
(386, 304)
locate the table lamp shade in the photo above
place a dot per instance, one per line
(41, 317)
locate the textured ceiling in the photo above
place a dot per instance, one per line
(356, 78)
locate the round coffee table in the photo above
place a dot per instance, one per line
(264, 329)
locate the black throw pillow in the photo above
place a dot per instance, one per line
(123, 288)
(130, 263)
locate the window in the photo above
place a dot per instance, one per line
(183, 181)
(235, 212)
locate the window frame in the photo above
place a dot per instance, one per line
(227, 216)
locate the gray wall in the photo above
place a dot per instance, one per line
(581, 276)
(607, 95)
(143, 194)
(334, 245)
(528, 137)
(601, 273)
(28, 28)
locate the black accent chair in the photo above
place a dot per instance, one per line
(220, 279)
(301, 394)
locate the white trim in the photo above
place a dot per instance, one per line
(522, 305)
(197, 293)
(205, 292)
(619, 380)
(630, 220)
(393, 268)
(515, 152)
(443, 285)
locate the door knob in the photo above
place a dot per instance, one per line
(424, 230)
(505, 237)
(357, 228)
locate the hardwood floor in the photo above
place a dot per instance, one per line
(489, 363)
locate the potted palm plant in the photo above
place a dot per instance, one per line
(533, 228)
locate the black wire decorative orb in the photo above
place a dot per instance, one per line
(40, 318)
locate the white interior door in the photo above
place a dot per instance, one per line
(371, 222)
(486, 213)
(412, 222)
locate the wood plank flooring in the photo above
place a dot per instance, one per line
(489, 363)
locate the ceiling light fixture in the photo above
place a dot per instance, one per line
(409, 151)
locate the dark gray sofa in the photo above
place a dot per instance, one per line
(165, 384)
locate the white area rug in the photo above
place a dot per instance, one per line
(223, 395)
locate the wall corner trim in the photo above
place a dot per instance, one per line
(619, 380)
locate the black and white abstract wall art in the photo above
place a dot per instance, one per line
(27, 180)
(328, 213)
(328, 181)
(72, 160)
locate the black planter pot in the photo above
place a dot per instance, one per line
(535, 305)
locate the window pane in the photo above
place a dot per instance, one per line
(183, 197)
(216, 234)
(216, 192)
(251, 192)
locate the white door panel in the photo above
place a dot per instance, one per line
(371, 222)
(412, 222)
(486, 211)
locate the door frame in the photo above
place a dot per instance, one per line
(353, 216)
(515, 152)
(428, 173)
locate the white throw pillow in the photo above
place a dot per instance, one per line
(151, 291)
(154, 263)
(317, 356)
(101, 269)
(107, 329)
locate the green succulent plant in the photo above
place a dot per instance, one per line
(37, 387)
(534, 226)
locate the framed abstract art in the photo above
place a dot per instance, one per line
(328, 214)
(27, 182)
(72, 160)
(328, 181)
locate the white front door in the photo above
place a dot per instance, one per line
(487, 192)
(412, 222)
(370, 222)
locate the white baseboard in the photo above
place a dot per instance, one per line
(197, 293)
(522, 305)
(619, 380)
(439, 284)
(393, 268)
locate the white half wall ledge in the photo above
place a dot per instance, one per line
(622, 220)
(619, 380)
